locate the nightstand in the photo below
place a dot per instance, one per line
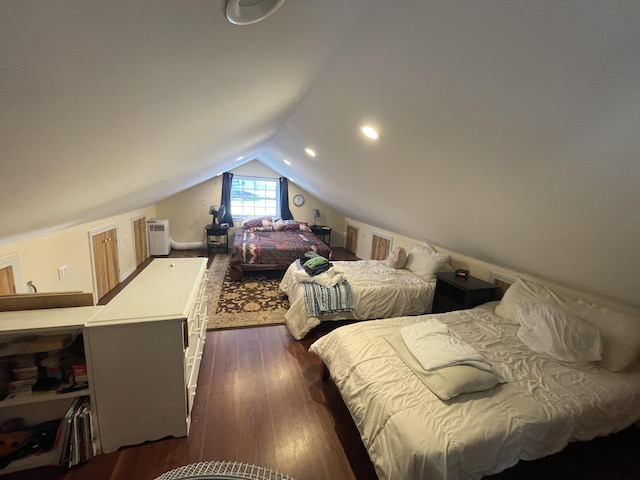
(217, 238)
(455, 293)
(321, 232)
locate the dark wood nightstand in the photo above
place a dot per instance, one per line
(321, 232)
(217, 238)
(455, 293)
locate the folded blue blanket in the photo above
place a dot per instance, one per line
(321, 300)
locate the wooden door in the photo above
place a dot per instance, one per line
(379, 247)
(112, 258)
(105, 261)
(352, 239)
(7, 283)
(140, 240)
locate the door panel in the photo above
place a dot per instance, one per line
(106, 264)
(352, 239)
(140, 240)
(7, 283)
(379, 247)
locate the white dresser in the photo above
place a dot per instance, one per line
(145, 348)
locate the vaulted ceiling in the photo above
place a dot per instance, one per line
(510, 130)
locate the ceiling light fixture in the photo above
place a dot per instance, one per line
(370, 132)
(239, 158)
(246, 12)
(286, 161)
(310, 152)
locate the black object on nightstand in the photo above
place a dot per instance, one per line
(455, 293)
(321, 231)
(217, 238)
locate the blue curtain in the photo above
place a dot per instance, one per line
(227, 179)
(285, 212)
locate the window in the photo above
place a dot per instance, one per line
(255, 196)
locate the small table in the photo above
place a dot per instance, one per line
(321, 232)
(455, 293)
(217, 238)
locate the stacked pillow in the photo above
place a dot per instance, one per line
(295, 225)
(259, 224)
(567, 324)
(424, 261)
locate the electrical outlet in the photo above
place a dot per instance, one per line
(202, 202)
(62, 272)
(191, 226)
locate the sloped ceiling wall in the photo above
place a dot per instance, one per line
(509, 129)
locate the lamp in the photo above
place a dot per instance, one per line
(316, 214)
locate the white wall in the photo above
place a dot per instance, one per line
(477, 268)
(40, 257)
(188, 211)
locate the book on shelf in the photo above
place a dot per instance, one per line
(76, 437)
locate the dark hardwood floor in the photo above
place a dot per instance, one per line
(261, 400)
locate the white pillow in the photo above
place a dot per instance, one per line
(549, 330)
(619, 332)
(423, 249)
(427, 265)
(522, 291)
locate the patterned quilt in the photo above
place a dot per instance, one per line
(275, 248)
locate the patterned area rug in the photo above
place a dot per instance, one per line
(251, 302)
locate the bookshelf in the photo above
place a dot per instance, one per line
(40, 333)
(142, 353)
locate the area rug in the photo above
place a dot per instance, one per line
(253, 301)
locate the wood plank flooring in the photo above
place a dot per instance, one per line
(261, 400)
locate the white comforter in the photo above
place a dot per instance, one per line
(379, 291)
(411, 434)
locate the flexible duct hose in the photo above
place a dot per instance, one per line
(187, 245)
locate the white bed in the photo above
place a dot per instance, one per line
(411, 434)
(379, 291)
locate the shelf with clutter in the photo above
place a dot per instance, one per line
(45, 397)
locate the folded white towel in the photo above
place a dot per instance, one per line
(328, 279)
(435, 347)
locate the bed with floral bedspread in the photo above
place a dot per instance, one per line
(255, 248)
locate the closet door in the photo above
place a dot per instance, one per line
(379, 247)
(352, 239)
(7, 283)
(112, 258)
(140, 240)
(105, 261)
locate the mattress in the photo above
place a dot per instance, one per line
(379, 291)
(411, 434)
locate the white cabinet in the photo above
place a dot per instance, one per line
(39, 332)
(145, 348)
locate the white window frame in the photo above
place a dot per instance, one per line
(241, 209)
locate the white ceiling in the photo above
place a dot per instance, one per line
(510, 130)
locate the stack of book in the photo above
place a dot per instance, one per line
(75, 442)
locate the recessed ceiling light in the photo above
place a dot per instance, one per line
(239, 158)
(286, 161)
(292, 180)
(370, 132)
(310, 152)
